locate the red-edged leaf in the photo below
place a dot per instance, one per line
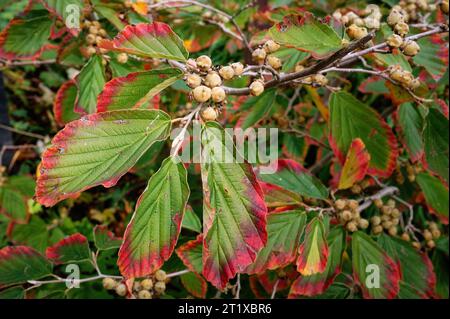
(313, 252)
(234, 212)
(64, 105)
(153, 40)
(355, 166)
(376, 273)
(74, 248)
(317, 284)
(191, 254)
(153, 231)
(104, 239)
(292, 176)
(18, 264)
(64, 10)
(415, 266)
(269, 279)
(283, 238)
(16, 42)
(136, 89)
(351, 119)
(97, 149)
(194, 284)
(276, 196)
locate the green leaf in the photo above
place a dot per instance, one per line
(436, 195)
(152, 40)
(411, 125)
(394, 59)
(259, 106)
(18, 264)
(12, 203)
(33, 234)
(313, 252)
(420, 276)
(96, 150)
(90, 82)
(275, 196)
(104, 239)
(375, 272)
(234, 212)
(318, 283)
(194, 284)
(64, 105)
(351, 119)
(191, 220)
(292, 176)
(16, 42)
(151, 235)
(13, 293)
(136, 89)
(436, 143)
(74, 248)
(110, 14)
(433, 56)
(440, 264)
(306, 34)
(290, 57)
(283, 238)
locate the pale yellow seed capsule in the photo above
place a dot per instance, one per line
(392, 231)
(432, 226)
(109, 283)
(411, 48)
(401, 28)
(213, 79)
(160, 287)
(356, 32)
(377, 229)
(352, 227)
(147, 284)
(391, 203)
(96, 24)
(375, 220)
(416, 245)
(204, 62)
(387, 224)
(406, 237)
(340, 204)
(320, 79)
(431, 244)
(363, 223)
(299, 68)
(271, 46)
(372, 23)
(144, 294)
(122, 58)
(395, 17)
(209, 114)
(378, 202)
(356, 189)
(193, 80)
(259, 55)
(218, 94)
(427, 235)
(395, 213)
(121, 290)
(444, 6)
(257, 88)
(93, 30)
(346, 215)
(90, 39)
(395, 41)
(202, 93)
(91, 51)
(160, 275)
(353, 204)
(436, 233)
(238, 68)
(102, 32)
(226, 72)
(274, 62)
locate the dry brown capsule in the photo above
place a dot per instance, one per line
(340, 204)
(259, 55)
(401, 28)
(411, 48)
(274, 62)
(356, 32)
(395, 17)
(394, 41)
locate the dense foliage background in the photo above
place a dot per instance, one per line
(362, 174)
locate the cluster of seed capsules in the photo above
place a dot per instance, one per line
(348, 214)
(145, 289)
(95, 35)
(359, 24)
(389, 219)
